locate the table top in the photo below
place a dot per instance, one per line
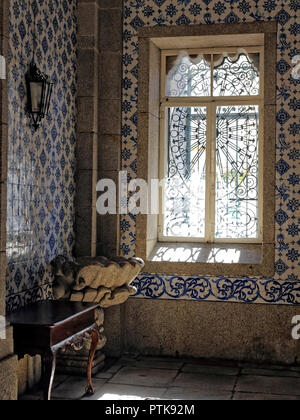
(49, 313)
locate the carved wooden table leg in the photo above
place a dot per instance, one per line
(48, 366)
(95, 339)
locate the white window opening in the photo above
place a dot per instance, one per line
(211, 145)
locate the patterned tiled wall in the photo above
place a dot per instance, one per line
(285, 287)
(41, 164)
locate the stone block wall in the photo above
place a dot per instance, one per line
(110, 116)
(203, 316)
(87, 128)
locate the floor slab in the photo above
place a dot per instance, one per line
(144, 377)
(74, 388)
(59, 379)
(126, 392)
(206, 382)
(262, 397)
(269, 385)
(180, 393)
(159, 378)
(210, 370)
(271, 372)
(159, 364)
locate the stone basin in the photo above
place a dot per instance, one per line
(99, 280)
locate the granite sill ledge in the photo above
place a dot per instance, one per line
(211, 259)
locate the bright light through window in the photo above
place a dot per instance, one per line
(211, 139)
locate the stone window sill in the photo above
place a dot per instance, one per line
(211, 259)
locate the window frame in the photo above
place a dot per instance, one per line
(211, 103)
(151, 41)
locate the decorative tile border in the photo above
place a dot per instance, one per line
(285, 286)
(244, 290)
(29, 296)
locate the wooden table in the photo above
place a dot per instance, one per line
(46, 327)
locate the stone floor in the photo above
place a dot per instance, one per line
(136, 378)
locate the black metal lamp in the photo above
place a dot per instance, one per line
(39, 91)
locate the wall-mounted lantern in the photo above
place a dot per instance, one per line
(39, 91)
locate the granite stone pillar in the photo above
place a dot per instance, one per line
(110, 117)
(87, 128)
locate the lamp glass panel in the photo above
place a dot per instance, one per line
(36, 90)
(48, 91)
